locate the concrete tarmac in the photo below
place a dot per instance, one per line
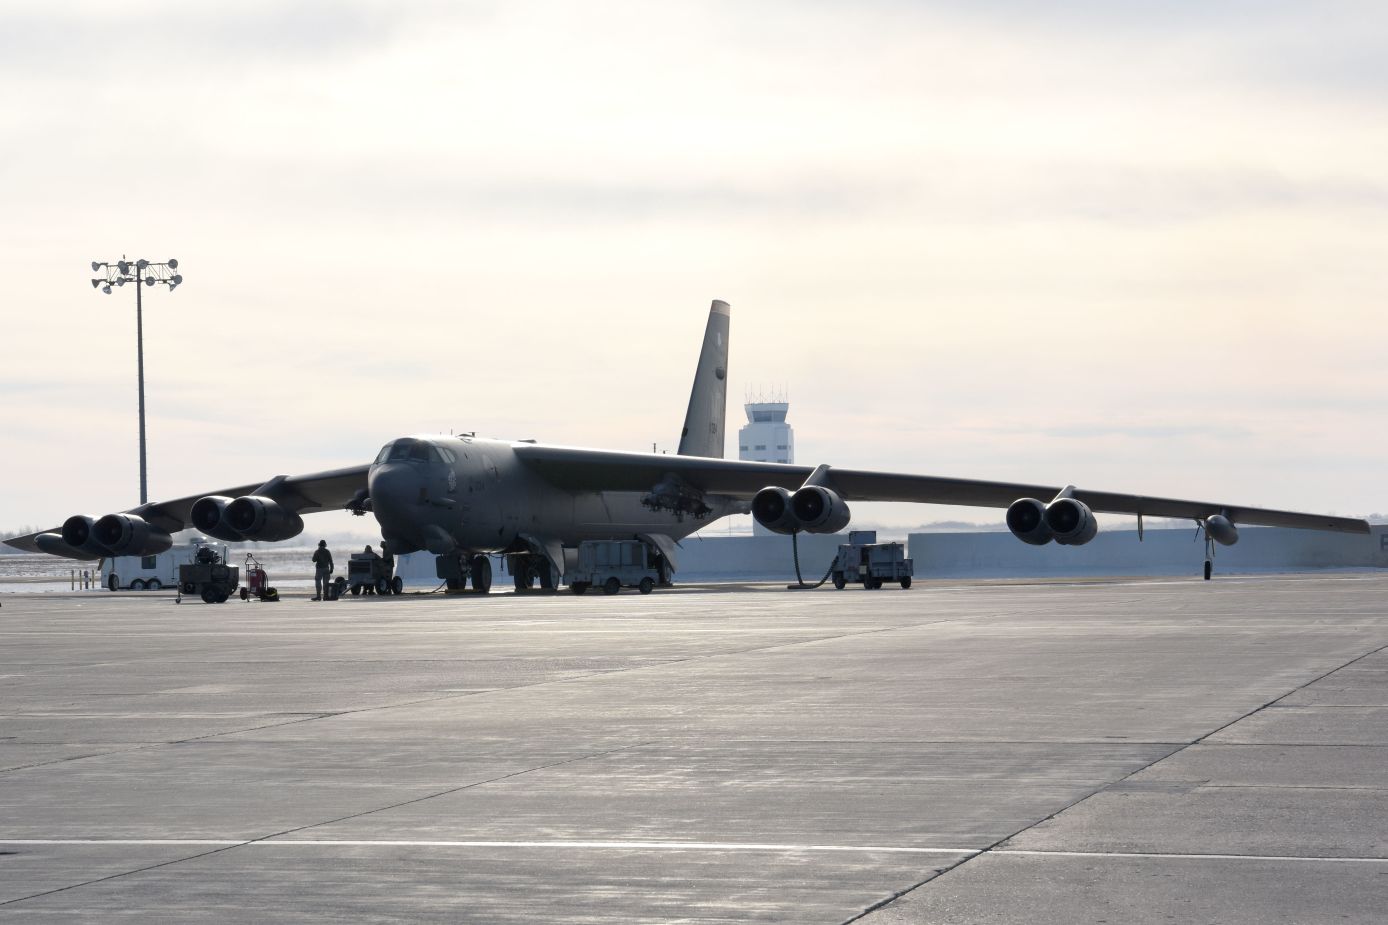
(1071, 752)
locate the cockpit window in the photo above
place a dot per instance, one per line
(417, 450)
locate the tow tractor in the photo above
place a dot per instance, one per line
(207, 576)
(257, 582)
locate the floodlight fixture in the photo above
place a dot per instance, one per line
(139, 271)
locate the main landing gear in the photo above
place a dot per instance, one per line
(529, 568)
(457, 570)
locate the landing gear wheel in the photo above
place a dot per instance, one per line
(209, 595)
(481, 574)
(523, 575)
(611, 586)
(356, 590)
(113, 584)
(397, 586)
(906, 582)
(646, 585)
(839, 581)
(382, 587)
(155, 585)
(455, 584)
(1209, 569)
(578, 587)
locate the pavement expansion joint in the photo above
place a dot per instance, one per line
(996, 847)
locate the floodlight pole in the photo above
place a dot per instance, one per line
(140, 365)
(141, 273)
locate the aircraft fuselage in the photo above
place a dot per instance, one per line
(474, 495)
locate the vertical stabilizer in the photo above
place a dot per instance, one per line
(708, 402)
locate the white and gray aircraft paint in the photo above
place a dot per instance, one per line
(464, 498)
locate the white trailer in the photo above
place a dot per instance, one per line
(151, 573)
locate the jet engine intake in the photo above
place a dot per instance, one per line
(77, 533)
(1071, 522)
(819, 509)
(771, 508)
(1026, 518)
(1221, 529)
(262, 519)
(130, 535)
(209, 516)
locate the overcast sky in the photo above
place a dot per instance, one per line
(1130, 246)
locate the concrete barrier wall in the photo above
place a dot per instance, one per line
(1162, 552)
(997, 555)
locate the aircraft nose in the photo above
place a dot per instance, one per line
(394, 488)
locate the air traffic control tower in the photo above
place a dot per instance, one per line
(766, 438)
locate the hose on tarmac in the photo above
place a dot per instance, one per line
(802, 586)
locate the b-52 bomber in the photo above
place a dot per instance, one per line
(464, 498)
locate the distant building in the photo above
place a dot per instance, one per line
(766, 438)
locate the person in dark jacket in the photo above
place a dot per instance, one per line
(322, 570)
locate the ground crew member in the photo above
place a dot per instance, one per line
(387, 557)
(371, 553)
(322, 570)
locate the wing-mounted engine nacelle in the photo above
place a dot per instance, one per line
(130, 535)
(263, 519)
(819, 509)
(1221, 529)
(209, 516)
(1026, 518)
(1071, 522)
(771, 508)
(77, 534)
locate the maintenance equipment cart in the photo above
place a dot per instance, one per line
(208, 577)
(613, 565)
(257, 582)
(864, 559)
(370, 573)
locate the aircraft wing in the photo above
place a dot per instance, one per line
(600, 470)
(304, 494)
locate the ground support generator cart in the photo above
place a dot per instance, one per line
(615, 564)
(865, 560)
(208, 577)
(370, 573)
